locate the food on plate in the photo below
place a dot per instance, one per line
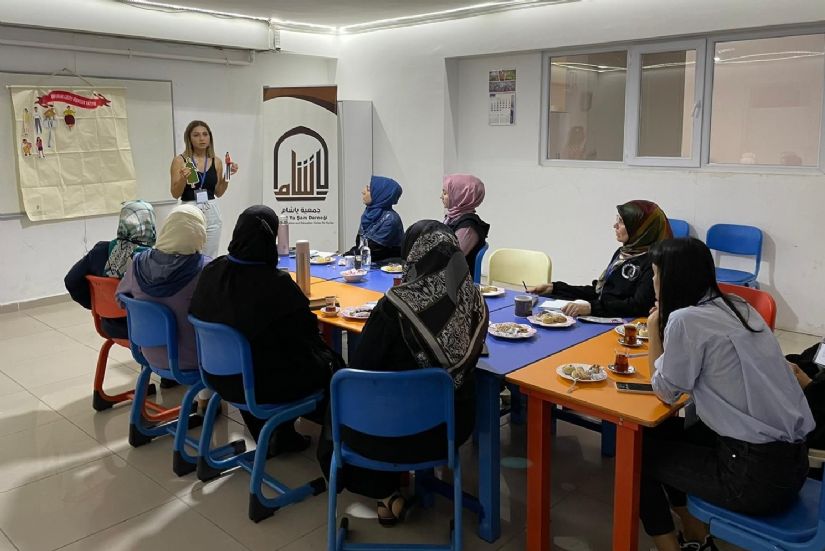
(359, 312)
(642, 329)
(511, 328)
(322, 259)
(581, 373)
(551, 318)
(488, 289)
(393, 268)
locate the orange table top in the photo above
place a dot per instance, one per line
(348, 295)
(312, 279)
(600, 398)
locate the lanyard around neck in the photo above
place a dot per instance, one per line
(201, 175)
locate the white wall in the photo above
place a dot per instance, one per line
(36, 256)
(425, 125)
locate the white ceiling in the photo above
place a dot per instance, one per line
(342, 13)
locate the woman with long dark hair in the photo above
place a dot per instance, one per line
(746, 452)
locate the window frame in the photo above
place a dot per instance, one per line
(714, 39)
(633, 96)
(705, 98)
(546, 56)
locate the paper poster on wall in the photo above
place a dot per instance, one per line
(502, 88)
(72, 150)
(301, 161)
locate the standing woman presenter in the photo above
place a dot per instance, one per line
(203, 185)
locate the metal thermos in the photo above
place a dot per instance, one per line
(283, 238)
(302, 265)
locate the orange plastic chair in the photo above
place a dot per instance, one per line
(761, 301)
(104, 305)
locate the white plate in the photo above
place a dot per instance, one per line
(600, 376)
(637, 345)
(493, 330)
(497, 293)
(567, 323)
(389, 268)
(596, 319)
(620, 330)
(630, 370)
(328, 314)
(317, 260)
(358, 312)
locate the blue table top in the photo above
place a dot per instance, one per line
(509, 355)
(324, 271)
(503, 301)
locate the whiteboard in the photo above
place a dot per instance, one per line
(151, 133)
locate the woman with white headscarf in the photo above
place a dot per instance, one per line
(168, 274)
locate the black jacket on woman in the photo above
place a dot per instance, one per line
(628, 290)
(246, 290)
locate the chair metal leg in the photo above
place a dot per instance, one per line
(211, 463)
(335, 539)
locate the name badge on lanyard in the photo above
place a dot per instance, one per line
(201, 196)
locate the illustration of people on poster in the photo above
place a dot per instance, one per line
(502, 89)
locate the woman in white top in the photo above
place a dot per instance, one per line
(211, 182)
(746, 452)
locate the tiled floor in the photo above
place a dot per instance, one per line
(70, 480)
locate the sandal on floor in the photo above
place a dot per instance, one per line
(389, 519)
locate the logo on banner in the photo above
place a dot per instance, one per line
(302, 161)
(71, 98)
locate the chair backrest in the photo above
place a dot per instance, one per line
(396, 403)
(761, 301)
(225, 351)
(680, 228)
(151, 325)
(736, 239)
(479, 258)
(104, 305)
(513, 266)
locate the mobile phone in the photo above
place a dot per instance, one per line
(638, 388)
(484, 350)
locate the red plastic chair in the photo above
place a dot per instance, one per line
(761, 301)
(104, 305)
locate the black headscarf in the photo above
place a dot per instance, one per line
(245, 289)
(443, 315)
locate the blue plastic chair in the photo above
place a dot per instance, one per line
(479, 258)
(738, 240)
(800, 528)
(154, 325)
(391, 404)
(224, 351)
(680, 228)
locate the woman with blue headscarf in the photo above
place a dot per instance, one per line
(380, 225)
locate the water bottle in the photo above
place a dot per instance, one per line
(302, 265)
(366, 255)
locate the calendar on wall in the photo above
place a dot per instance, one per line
(502, 88)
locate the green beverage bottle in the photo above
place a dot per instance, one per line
(193, 177)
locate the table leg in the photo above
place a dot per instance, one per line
(538, 473)
(626, 487)
(489, 454)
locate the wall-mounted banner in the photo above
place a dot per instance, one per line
(300, 139)
(73, 152)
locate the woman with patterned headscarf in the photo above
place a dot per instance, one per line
(380, 226)
(625, 287)
(135, 233)
(436, 317)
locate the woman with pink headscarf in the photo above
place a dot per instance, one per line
(461, 194)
